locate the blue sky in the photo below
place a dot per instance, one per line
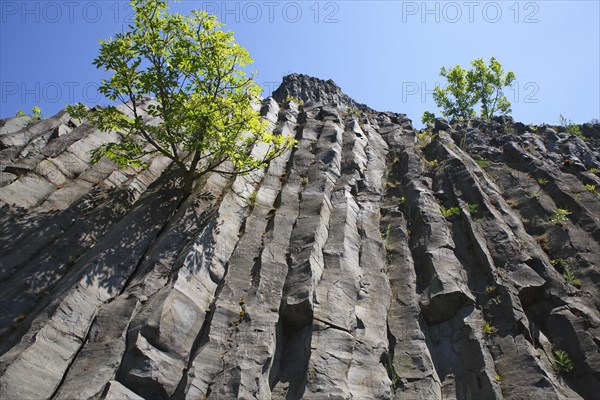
(386, 54)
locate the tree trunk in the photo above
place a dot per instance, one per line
(188, 182)
(188, 176)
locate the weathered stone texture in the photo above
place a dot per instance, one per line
(372, 261)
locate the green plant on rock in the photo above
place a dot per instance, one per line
(424, 137)
(562, 362)
(434, 163)
(559, 262)
(559, 216)
(353, 111)
(385, 235)
(472, 208)
(593, 170)
(483, 85)
(489, 290)
(202, 117)
(392, 374)
(20, 113)
(483, 163)
(253, 199)
(36, 113)
(296, 100)
(590, 188)
(572, 129)
(488, 329)
(542, 181)
(449, 212)
(570, 277)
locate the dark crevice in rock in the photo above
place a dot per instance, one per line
(291, 364)
(387, 360)
(201, 339)
(332, 326)
(106, 345)
(66, 371)
(70, 365)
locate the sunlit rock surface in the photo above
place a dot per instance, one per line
(362, 264)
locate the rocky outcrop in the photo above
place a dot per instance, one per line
(371, 261)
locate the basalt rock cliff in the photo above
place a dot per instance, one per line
(373, 261)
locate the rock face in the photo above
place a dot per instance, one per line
(372, 261)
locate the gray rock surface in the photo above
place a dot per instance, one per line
(370, 262)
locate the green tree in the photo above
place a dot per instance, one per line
(457, 98)
(465, 89)
(487, 83)
(428, 118)
(201, 116)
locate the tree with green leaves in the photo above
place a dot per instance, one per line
(465, 89)
(457, 99)
(488, 82)
(201, 114)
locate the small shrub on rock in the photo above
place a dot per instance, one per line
(562, 362)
